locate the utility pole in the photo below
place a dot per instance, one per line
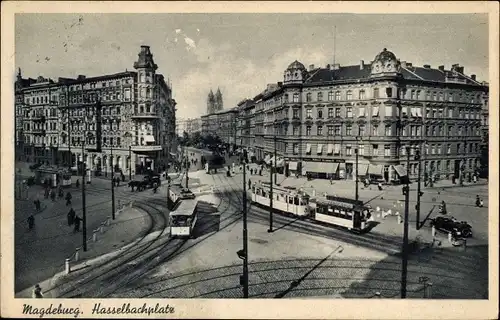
(112, 186)
(357, 190)
(187, 170)
(275, 168)
(419, 192)
(130, 161)
(271, 199)
(404, 268)
(84, 209)
(245, 235)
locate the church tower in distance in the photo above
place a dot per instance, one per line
(210, 103)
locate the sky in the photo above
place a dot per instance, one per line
(240, 53)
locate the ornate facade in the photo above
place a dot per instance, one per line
(319, 116)
(129, 114)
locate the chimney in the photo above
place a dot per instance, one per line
(454, 67)
(361, 65)
(473, 77)
(311, 67)
(441, 68)
(409, 64)
(460, 69)
(328, 66)
(81, 77)
(336, 66)
(427, 66)
(280, 84)
(403, 64)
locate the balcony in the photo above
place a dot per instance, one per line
(147, 148)
(145, 115)
(38, 131)
(38, 118)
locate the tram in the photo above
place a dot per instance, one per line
(338, 211)
(287, 200)
(177, 192)
(183, 219)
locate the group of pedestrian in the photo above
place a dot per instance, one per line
(479, 202)
(74, 219)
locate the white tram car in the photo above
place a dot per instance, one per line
(284, 199)
(343, 212)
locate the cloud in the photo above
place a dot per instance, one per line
(190, 43)
(237, 77)
(178, 31)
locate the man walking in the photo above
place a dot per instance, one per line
(77, 223)
(31, 222)
(71, 217)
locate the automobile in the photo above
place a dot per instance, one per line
(450, 224)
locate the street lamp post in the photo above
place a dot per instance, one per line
(130, 162)
(245, 236)
(357, 190)
(405, 226)
(84, 209)
(419, 192)
(271, 199)
(275, 168)
(112, 185)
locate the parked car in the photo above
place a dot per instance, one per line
(450, 224)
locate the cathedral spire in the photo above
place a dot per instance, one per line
(218, 100)
(211, 103)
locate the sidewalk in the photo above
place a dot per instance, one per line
(129, 225)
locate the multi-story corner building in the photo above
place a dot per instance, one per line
(193, 125)
(245, 123)
(222, 124)
(320, 116)
(128, 117)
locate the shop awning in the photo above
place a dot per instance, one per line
(362, 169)
(375, 169)
(321, 167)
(330, 148)
(292, 165)
(308, 148)
(400, 170)
(320, 148)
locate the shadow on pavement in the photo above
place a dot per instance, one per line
(208, 219)
(454, 274)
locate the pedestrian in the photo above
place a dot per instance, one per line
(46, 194)
(61, 192)
(478, 201)
(77, 183)
(31, 222)
(442, 208)
(380, 186)
(331, 180)
(475, 178)
(68, 198)
(249, 184)
(37, 292)
(77, 223)
(71, 216)
(53, 195)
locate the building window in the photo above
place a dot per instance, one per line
(295, 130)
(374, 130)
(127, 94)
(361, 150)
(285, 97)
(308, 97)
(349, 95)
(361, 130)
(387, 151)
(337, 112)
(295, 148)
(375, 93)
(348, 150)
(320, 114)
(330, 96)
(337, 95)
(361, 111)
(320, 96)
(361, 94)
(458, 148)
(336, 148)
(375, 111)
(337, 130)
(375, 149)
(388, 131)
(388, 111)
(388, 91)
(330, 112)
(330, 130)
(348, 130)
(320, 130)
(309, 113)
(349, 112)
(295, 97)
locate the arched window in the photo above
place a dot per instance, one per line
(309, 97)
(349, 95)
(337, 95)
(330, 96)
(148, 93)
(295, 97)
